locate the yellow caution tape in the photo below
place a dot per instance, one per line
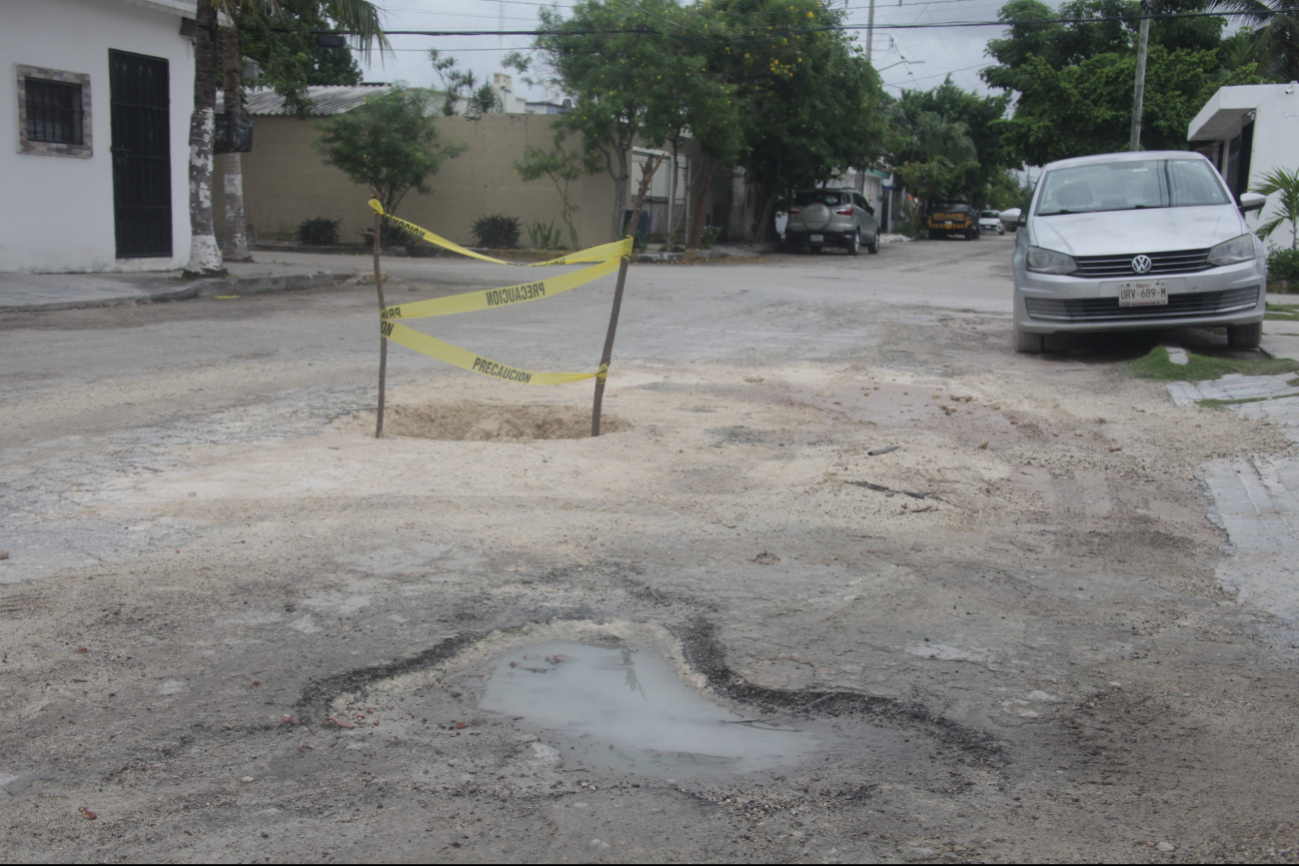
(602, 253)
(466, 360)
(490, 299)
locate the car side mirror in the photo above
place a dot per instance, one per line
(1250, 201)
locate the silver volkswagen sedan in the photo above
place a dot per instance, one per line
(1126, 241)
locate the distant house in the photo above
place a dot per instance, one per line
(1247, 131)
(98, 104)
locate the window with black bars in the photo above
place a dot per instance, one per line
(54, 112)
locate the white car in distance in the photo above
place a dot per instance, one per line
(1129, 241)
(990, 221)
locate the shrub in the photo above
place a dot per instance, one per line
(1283, 264)
(710, 236)
(497, 232)
(544, 236)
(394, 235)
(906, 229)
(318, 232)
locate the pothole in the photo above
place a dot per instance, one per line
(471, 421)
(626, 709)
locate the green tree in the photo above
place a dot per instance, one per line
(1286, 183)
(1274, 32)
(390, 144)
(621, 79)
(961, 126)
(289, 55)
(1087, 107)
(561, 166)
(937, 178)
(357, 16)
(1083, 29)
(460, 84)
(1005, 191)
(809, 104)
(768, 85)
(1072, 73)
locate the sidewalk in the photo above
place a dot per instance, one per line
(1281, 339)
(271, 273)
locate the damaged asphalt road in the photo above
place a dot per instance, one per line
(236, 628)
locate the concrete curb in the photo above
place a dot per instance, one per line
(267, 285)
(205, 288)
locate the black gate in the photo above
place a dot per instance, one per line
(140, 95)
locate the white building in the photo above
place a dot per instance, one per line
(97, 106)
(1248, 131)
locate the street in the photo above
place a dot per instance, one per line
(979, 595)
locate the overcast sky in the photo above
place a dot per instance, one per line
(933, 53)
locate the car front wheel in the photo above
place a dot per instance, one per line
(874, 247)
(1245, 336)
(1031, 344)
(854, 243)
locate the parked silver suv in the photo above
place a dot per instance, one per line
(833, 217)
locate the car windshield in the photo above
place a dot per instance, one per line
(1131, 185)
(936, 206)
(821, 197)
(990, 214)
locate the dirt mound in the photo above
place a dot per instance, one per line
(470, 421)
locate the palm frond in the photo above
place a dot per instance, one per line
(362, 19)
(1258, 11)
(1268, 227)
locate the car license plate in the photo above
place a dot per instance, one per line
(816, 238)
(1143, 293)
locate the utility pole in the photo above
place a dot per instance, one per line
(870, 30)
(1139, 91)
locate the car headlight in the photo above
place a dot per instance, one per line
(1050, 262)
(1230, 252)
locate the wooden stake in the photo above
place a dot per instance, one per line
(607, 355)
(383, 341)
(648, 168)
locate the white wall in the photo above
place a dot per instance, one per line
(1275, 111)
(58, 210)
(1276, 145)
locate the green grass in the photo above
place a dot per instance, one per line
(1282, 312)
(1214, 403)
(1155, 365)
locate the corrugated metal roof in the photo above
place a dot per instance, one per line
(326, 99)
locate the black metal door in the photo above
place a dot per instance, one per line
(140, 95)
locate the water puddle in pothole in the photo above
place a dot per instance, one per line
(628, 711)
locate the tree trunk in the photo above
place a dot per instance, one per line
(204, 254)
(620, 182)
(672, 194)
(762, 227)
(701, 199)
(235, 247)
(648, 168)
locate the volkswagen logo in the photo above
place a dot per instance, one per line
(1141, 264)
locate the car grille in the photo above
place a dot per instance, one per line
(1108, 309)
(1180, 262)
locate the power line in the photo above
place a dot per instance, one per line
(829, 28)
